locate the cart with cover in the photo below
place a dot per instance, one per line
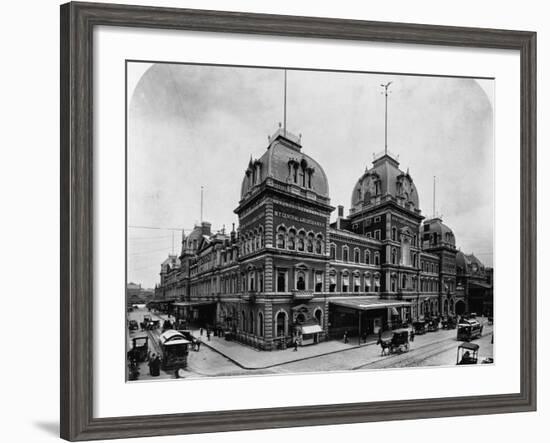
(466, 354)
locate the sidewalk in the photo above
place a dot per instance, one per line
(247, 357)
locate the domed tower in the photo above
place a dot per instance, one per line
(284, 214)
(438, 239)
(383, 182)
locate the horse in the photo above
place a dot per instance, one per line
(385, 345)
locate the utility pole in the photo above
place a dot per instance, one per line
(386, 86)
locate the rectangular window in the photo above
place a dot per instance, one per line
(281, 281)
(369, 234)
(318, 281)
(377, 234)
(376, 219)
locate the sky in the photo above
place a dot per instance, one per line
(194, 125)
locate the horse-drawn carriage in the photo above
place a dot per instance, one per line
(420, 327)
(133, 325)
(148, 324)
(399, 342)
(433, 324)
(448, 323)
(139, 350)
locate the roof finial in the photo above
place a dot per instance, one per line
(386, 86)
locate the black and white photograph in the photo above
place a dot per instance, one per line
(286, 221)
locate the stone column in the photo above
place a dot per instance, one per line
(268, 325)
(269, 224)
(268, 275)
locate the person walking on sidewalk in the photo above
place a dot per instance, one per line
(198, 343)
(208, 334)
(296, 344)
(345, 336)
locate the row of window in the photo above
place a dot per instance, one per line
(294, 240)
(366, 259)
(252, 240)
(300, 173)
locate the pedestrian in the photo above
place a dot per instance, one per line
(154, 365)
(199, 341)
(208, 334)
(201, 331)
(295, 344)
(412, 335)
(345, 336)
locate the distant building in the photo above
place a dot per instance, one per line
(288, 273)
(135, 294)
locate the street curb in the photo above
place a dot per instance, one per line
(286, 362)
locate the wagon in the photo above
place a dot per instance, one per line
(466, 354)
(419, 327)
(140, 349)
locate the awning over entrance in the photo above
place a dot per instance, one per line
(478, 284)
(311, 329)
(366, 304)
(194, 303)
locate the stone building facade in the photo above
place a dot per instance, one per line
(288, 273)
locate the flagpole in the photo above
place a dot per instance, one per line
(284, 107)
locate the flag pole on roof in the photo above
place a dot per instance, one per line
(284, 107)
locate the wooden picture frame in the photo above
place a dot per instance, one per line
(77, 23)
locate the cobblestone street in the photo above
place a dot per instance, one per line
(218, 357)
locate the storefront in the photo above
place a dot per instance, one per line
(308, 334)
(364, 316)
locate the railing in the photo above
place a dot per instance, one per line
(302, 294)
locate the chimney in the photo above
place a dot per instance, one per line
(206, 228)
(340, 216)
(233, 233)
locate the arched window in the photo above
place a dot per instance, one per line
(251, 325)
(332, 282)
(356, 255)
(393, 256)
(310, 243)
(394, 233)
(260, 324)
(301, 241)
(319, 316)
(318, 281)
(367, 257)
(377, 258)
(243, 321)
(292, 239)
(356, 283)
(333, 251)
(319, 244)
(281, 324)
(367, 282)
(345, 281)
(281, 240)
(345, 253)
